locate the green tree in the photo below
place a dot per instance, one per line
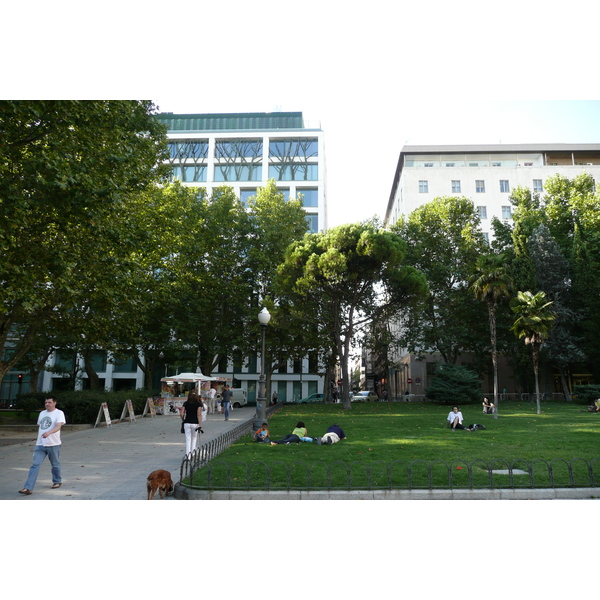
(69, 175)
(444, 240)
(552, 270)
(490, 284)
(534, 319)
(454, 384)
(345, 278)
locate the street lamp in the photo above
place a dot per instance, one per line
(261, 401)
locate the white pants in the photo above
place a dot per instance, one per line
(191, 436)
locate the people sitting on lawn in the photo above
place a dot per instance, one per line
(595, 407)
(488, 407)
(299, 434)
(455, 419)
(262, 435)
(333, 435)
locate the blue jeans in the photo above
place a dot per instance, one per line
(39, 454)
(226, 406)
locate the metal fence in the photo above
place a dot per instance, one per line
(209, 450)
(520, 397)
(398, 475)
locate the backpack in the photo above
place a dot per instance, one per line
(476, 427)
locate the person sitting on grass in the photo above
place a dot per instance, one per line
(488, 407)
(262, 434)
(295, 437)
(455, 419)
(333, 435)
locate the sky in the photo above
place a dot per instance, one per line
(377, 75)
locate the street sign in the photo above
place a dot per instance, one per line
(409, 380)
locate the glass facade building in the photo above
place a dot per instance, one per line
(245, 150)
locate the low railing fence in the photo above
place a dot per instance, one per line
(521, 397)
(398, 475)
(210, 450)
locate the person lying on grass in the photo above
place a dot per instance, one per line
(334, 434)
(300, 434)
(455, 419)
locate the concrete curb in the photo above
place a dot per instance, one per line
(184, 493)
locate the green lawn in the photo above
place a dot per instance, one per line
(408, 445)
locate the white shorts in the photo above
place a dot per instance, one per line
(335, 438)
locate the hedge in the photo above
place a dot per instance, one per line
(82, 407)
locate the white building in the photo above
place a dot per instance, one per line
(487, 174)
(245, 150)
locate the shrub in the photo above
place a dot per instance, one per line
(586, 394)
(82, 407)
(454, 384)
(30, 403)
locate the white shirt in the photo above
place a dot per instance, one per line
(452, 415)
(48, 420)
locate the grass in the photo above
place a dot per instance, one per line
(16, 417)
(385, 439)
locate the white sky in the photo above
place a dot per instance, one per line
(376, 74)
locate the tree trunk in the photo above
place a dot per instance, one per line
(89, 370)
(565, 385)
(492, 315)
(537, 383)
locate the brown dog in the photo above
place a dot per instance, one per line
(159, 480)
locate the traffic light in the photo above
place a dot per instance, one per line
(20, 378)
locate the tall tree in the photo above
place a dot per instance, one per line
(346, 277)
(69, 172)
(490, 283)
(553, 276)
(444, 240)
(534, 319)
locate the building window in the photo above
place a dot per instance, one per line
(288, 150)
(506, 214)
(245, 195)
(423, 187)
(504, 187)
(486, 237)
(188, 149)
(456, 186)
(538, 185)
(313, 223)
(294, 172)
(234, 149)
(189, 173)
(480, 186)
(125, 365)
(450, 164)
(428, 164)
(496, 164)
(310, 196)
(482, 212)
(238, 172)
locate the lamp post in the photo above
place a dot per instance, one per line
(261, 401)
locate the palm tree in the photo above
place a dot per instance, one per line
(490, 283)
(533, 324)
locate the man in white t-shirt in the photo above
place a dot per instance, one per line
(48, 444)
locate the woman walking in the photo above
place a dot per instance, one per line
(191, 415)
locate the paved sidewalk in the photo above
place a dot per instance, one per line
(107, 463)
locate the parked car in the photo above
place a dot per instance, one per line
(366, 396)
(239, 397)
(309, 399)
